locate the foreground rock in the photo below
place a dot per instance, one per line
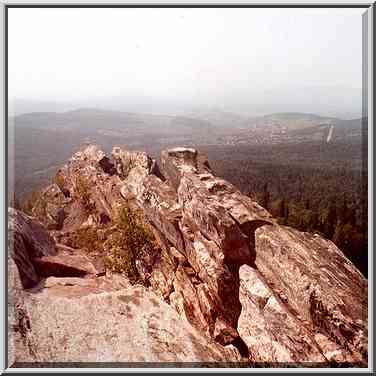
(310, 284)
(318, 283)
(68, 324)
(223, 265)
(101, 319)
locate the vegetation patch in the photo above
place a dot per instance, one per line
(82, 193)
(59, 180)
(31, 201)
(88, 239)
(127, 243)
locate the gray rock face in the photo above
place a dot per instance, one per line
(27, 240)
(228, 278)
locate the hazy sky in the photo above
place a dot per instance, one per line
(180, 53)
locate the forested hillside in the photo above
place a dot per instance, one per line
(313, 187)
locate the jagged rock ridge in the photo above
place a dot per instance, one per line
(248, 288)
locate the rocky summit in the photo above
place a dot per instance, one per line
(125, 260)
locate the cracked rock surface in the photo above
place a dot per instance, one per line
(227, 284)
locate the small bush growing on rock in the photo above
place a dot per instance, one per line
(83, 194)
(30, 202)
(59, 180)
(86, 238)
(127, 243)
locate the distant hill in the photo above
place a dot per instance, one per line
(41, 141)
(292, 120)
(88, 120)
(222, 120)
(296, 125)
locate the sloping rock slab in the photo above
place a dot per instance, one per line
(129, 325)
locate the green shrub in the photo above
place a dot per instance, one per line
(82, 192)
(131, 238)
(59, 180)
(30, 202)
(87, 239)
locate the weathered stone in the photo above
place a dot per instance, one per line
(125, 161)
(177, 161)
(162, 274)
(272, 333)
(320, 284)
(130, 325)
(75, 216)
(180, 160)
(17, 325)
(205, 214)
(63, 265)
(159, 204)
(191, 304)
(222, 262)
(27, 240)
(49, 207)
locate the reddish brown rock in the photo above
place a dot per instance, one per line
(319, 283)
(63, 265)
(49, 207)
(159, 204)
(77, 323)
(177, 161)
(27, 240)
(222, 262)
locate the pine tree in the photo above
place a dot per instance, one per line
(331, 220)
(342, 215)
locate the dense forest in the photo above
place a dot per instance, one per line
(313, 187)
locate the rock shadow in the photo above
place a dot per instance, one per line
(229, 283)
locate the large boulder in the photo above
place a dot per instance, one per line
(85, 191)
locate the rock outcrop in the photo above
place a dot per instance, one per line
(226, 283)
(81, 321)
(98, 319)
